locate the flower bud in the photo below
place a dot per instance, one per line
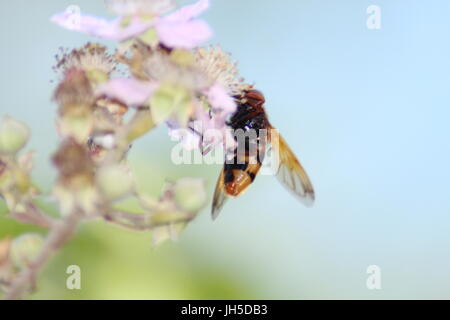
(25, 248)
(13, 135)
(190, 194)
(77, 127)
(167, 100)
(115, 181)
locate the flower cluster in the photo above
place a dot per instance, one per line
(146, 20)
(159, 74)
(179, 81)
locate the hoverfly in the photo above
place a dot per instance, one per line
(237, 176)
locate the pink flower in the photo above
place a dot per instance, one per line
(188, 12)
(130, 91)
(101, 28)
(209, 128)
(215, 132)
(179, 29)
(206, 133)
(189, 139)
(220, 100)
(184, 35)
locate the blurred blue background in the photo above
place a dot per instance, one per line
(367, 113)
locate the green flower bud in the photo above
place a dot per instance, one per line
(13, 135)
(78, 127)
(190, 194)
(167, 100)
(115, 181)
(25, 248)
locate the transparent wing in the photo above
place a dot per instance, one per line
(219, 197)
(291, 173)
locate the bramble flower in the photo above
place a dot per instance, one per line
(134, 7)
(75, 98)
(118, 29)
(208, 73)
(181, 92)
(220, 100)
(130, 91)
(169, 80)
(179, 29)
(207, 131)
(74, 89)
(91, 58)
(15, 168)
(82, 71)
(220, 69)
(208, 128)
(176, 67)
(188, 137)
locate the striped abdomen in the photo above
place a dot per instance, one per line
(247, 122)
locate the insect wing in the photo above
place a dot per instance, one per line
(219, 196)
(290, 172)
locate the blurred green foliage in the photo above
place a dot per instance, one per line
(122, 264)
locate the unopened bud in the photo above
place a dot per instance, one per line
(25, 248)
(115, 181)
(13, 135)
(77, 127)
(190, 194)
